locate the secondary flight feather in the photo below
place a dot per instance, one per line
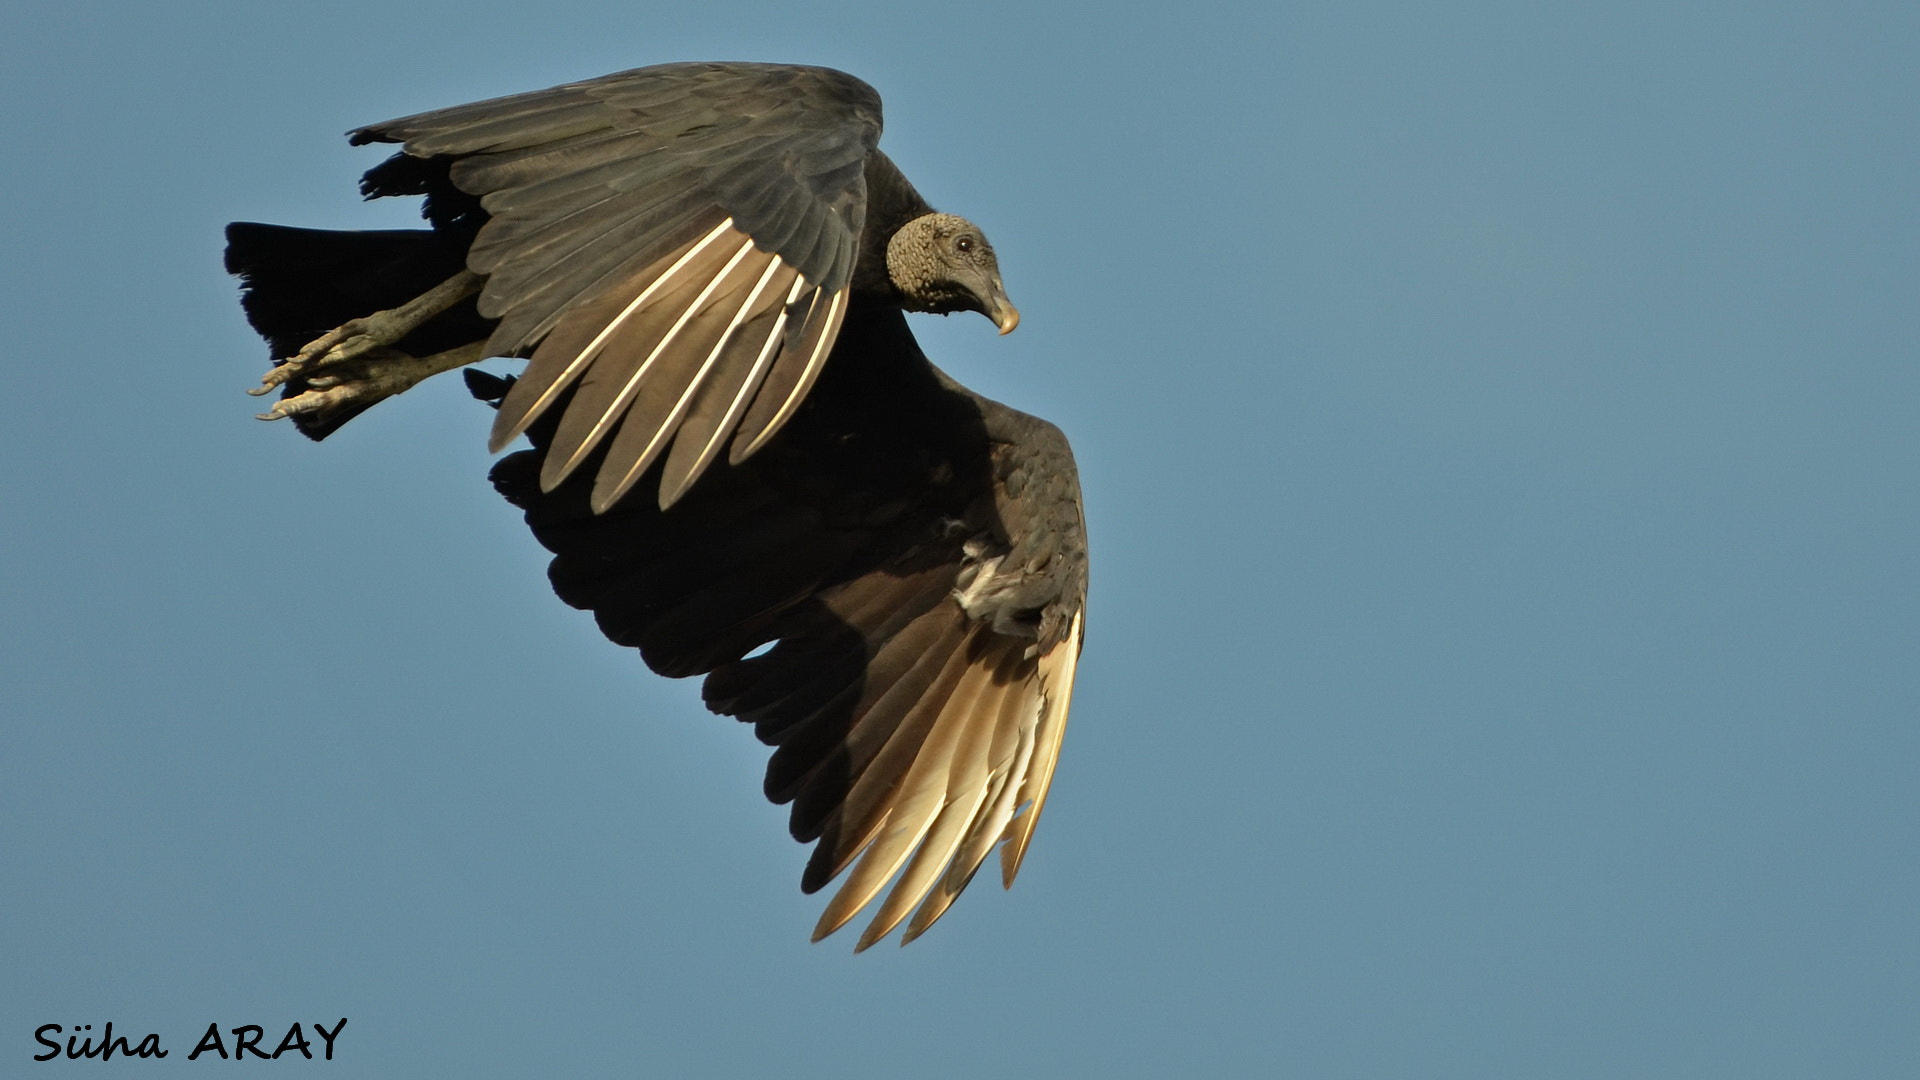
(742, 462)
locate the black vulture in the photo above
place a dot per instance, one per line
(885, 573)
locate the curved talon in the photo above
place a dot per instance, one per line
(319, 401)
(279, 375)
(285, 408)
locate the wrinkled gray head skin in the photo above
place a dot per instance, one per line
(941, 263)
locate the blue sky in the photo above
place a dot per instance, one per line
(1497, 423)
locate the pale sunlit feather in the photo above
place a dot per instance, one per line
(505, 433)
(551, 477)
(977, 705)
(912, 700)
(606, 493)
(1012, 749)
(911, 807)
(822, 343)
(716, 436)
(1056, 680)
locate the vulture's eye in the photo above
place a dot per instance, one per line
(964, 244)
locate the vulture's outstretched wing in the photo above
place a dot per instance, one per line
(917, 554)
(674, 244)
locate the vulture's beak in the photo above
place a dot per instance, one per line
(1000, 309)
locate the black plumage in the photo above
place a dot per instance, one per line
(699, 258)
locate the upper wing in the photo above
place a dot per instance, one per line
(917, 556)
(674, 243)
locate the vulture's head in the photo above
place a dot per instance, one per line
(942, 263)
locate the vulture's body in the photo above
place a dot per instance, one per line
(736, 440)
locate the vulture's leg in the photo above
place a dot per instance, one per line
(364, 339)
(370, 376)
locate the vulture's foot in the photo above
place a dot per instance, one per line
(367, 338)
(365, 378)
